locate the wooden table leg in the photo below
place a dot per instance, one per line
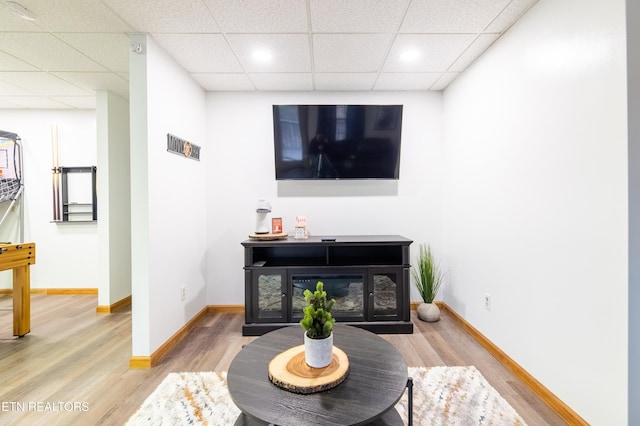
(21, 301)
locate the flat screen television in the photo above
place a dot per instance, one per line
(337, 141)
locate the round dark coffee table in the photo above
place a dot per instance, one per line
(376, 381)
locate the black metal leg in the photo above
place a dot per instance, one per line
(410, 400)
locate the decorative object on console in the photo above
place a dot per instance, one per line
(428, 277)
(318, 324)
(276, 225)
(301, 228)
(262, 222)
(269, 236)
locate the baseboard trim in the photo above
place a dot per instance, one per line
(140, 362)
(156, 357)
(71, 291)
(226, 309)
(561, 409)
(55, 291)
(108, 309)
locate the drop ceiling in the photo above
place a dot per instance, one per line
(75, 47)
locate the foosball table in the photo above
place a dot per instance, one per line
(19, 257)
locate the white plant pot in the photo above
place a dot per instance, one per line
(428, 312)
(318, 352)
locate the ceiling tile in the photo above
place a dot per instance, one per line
(406, 81)
(282, 81)
(77, 46)
(8, 89)
(345, 81)
(92, 81)
(109, 50)
(512, 13)
(46, 52)
(166, 16)
(7, 103)
(436, 52)
(34, 102)
(446, 16)
(221, 82)
(260, 16)
(444, 80)
(75, 16)
(42, 83)
(473, 52)
(290, 52)
(201, 52)
(79, 102)
(357, 16)
(10, 63)
(349, 52)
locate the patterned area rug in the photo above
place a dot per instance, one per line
(441, 396)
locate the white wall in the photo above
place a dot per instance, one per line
(168, 207)
(114, 206)
(536, 205)
(241, 171)
(66, 254)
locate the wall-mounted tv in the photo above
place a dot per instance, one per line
(337, 141)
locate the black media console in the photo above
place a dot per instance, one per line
(367, 275)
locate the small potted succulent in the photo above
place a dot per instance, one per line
(318, 323)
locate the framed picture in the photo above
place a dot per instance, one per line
(276, 225)
(386, 118)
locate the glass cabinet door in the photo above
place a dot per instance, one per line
(270, 297)
(385, 294)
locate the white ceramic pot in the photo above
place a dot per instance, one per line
(318, 352)
(428, 312)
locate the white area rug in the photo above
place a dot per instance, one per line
(456, 396)
(441, 396)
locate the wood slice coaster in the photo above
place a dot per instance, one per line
(267, 237)
(290, 371)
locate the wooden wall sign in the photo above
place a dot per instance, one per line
(182, 147)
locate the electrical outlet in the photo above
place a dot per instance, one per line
(487, 301)
(183, 293)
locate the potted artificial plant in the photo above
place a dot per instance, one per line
(318, 323)
(427, 277)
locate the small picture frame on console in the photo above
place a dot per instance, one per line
(276, 225)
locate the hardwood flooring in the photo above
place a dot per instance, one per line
(73, 368)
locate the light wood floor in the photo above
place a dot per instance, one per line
(75, 359)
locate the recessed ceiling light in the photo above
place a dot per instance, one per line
(410, 55)
(262, 55)
(21, 11)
